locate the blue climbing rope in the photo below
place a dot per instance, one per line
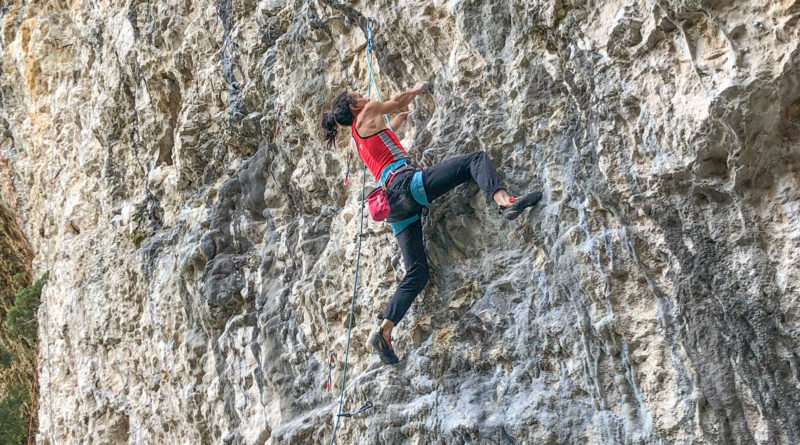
(352, 302)
(371, 74)
(368, 405)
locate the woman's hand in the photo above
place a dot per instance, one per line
(399, 120)
(396, 103)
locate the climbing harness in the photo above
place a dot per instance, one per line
(371, 82)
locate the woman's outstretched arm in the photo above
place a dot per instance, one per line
(396, 103)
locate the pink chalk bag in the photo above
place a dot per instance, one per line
(378, 201)
(378, 204)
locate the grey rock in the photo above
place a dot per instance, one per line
(651, 298)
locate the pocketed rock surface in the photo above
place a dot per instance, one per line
(201, 244)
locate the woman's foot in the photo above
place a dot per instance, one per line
(502, 198)
(512, 211)
(386, 329)
(383, 347)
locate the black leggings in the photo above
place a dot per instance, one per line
(437, 180)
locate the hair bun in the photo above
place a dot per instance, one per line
(330, 129)
(329, 122)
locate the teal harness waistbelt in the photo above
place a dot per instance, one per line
(389, 169)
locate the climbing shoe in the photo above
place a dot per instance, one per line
(520, 204)
(382, 348)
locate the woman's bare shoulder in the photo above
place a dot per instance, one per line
(369, 123)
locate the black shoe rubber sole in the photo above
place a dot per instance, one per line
(386, 354)
(528, 200)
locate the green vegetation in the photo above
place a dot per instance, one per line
(5, 357)
(21, 318)
(136, 238)
(18, 339)
(14, 417)
(18, 343)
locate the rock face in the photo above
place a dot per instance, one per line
(201, 244)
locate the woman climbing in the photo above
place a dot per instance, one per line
(409, 190)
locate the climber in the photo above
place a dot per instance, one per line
(409, 190)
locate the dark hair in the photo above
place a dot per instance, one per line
(341, 115)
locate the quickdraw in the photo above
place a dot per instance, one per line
(346, 179)
(278, 119)
(330, 371)
(366, 406)
(53, 181)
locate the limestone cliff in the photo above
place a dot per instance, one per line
(201, 262)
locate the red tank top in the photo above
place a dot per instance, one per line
(378, 150)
